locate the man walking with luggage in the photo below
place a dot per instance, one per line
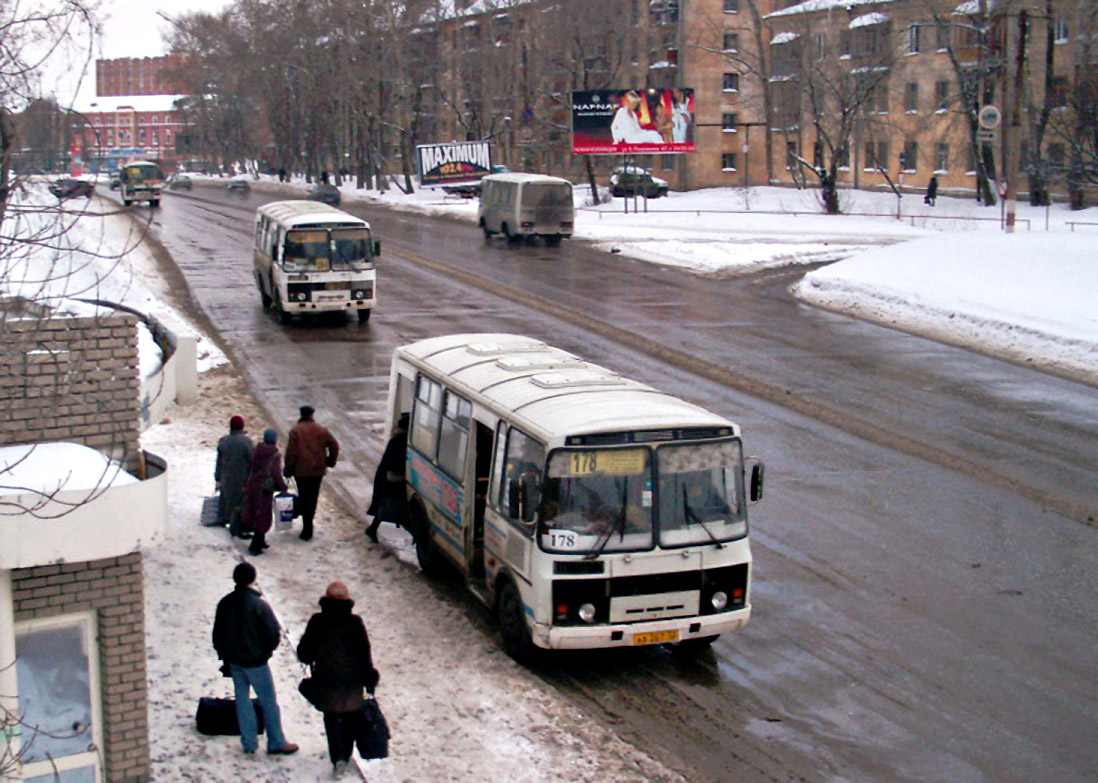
(310, 451)
(245, 633)
(234, 453)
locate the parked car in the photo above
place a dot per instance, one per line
(116, 179)
(636, 181)
(179, 182)
(329, 194)
(70, 187)
(238, 183)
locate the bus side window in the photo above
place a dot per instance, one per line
(426, 415)
(495, 493)
(525, 465)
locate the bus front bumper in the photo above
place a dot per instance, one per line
(586, 637)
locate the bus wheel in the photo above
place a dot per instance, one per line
(553, 240)
(512, 625)
(364, 316)
(153, 203)
(506, 229)
(126, 202)
(430, 561)
(284, 318)
(696, 646)
(264, 297)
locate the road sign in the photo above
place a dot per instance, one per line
(1004, 187)
(989, 117)
(985, 136)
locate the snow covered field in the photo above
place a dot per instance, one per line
(461, 710)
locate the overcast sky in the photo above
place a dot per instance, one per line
(131, 28)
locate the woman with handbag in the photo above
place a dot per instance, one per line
(264, 477)
(335, 644)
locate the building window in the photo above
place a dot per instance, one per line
(941, 96)
(844, 43)
(155, 120)
(728, 161)
(731, 42)
(141, 136)
(1060, 27)
(1060, 89)
(911, 156)
(941, 157)
(156, 139)
(57, 677)
(911, 97)
(729, 121)
(876, 155)
(820, 44)
(791, 155)
(941, 36)
(731, 6)
(167, 137)
(911, 42)
(731, 82)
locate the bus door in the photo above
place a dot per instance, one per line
(482, 467)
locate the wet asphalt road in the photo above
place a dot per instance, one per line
(925, 557)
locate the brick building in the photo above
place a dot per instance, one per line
(126, 76)
(77, 510)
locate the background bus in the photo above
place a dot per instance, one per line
(588, 509)
(311, 258)
(526, 205)
(141, 180)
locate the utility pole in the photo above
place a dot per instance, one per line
(1012, 132)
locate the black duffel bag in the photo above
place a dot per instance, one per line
(217, 717)
(372, 737)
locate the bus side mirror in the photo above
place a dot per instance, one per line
(755, 472)
(377, 247)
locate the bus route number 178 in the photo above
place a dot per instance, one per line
(561, 539)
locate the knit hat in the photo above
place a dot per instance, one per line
(244, 574)
(307, 411)
(270, 436)
(236, 423)
(337, 591)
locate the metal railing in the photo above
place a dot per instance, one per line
(814, 213)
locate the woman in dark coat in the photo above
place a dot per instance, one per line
(335, 644)
(390, 503)
(258, 505)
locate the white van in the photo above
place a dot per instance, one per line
(526, 205)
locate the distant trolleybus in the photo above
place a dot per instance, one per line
(588, 509)
(312, 258)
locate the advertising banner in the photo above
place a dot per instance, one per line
(633, 121)
(456, 162)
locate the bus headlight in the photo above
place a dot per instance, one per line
(587, 613)
(719, 600)
(302, 296)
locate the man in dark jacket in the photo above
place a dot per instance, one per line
(234, 453)
(335, 644)
(310, 451)
(245, 633)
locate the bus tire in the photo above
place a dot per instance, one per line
(484, 228)
(264, 297)
(126, 202)
(154, 202)
(284, 317)
(506, 231)
(512, 625)
(430, 559)
(696, 646)
(553, 240)
(364, 315)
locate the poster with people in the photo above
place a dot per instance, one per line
(633, 121)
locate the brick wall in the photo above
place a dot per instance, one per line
(114, 590)
(73, 379)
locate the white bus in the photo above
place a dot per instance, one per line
(526, 205)
(587, 509)
(141, 180)
(312, 258)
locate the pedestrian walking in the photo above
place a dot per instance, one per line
(245, 634)
(931, 191)
(335, 644)
(390, 500)
(264, 477)
(234, 455)
(310, 451)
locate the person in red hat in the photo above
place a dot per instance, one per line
(234, 454)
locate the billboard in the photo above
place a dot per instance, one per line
(633, 121)
(452, 163)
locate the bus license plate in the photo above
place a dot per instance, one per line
(656, 637)
(330, 297)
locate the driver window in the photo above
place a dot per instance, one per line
(525, 466)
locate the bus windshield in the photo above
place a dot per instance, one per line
(701, 493)
(139, 174)
(319, 250)
(598, 500)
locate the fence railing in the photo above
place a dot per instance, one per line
(814, 213)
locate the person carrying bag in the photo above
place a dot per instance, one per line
(336, 647)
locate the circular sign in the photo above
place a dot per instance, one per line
(989, 117)
(743, 149)
(1004, 186)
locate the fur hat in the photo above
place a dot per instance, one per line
(270, 435)
(236, 423)
(307, 411)
(337, 591)
(244, 574)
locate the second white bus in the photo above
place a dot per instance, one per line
(587, 509)
(311, 258)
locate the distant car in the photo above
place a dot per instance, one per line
(636, 181)
(179, 182)
(70, 187)
(329, 194)
(239, 182)
(116, 179)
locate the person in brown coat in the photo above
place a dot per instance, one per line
(310, 451)
(264, 477)
(335, 644)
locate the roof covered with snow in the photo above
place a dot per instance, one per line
(866, 20)
(813, 6)
(47, 468)
(128, 103)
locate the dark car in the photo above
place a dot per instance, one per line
(179, 182)
(70, 187)
(238, 183)
(329, 194)
(116, 179)
(635, 181)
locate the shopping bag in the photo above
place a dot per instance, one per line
(284, 503)
(217, 717)
(373, 731)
